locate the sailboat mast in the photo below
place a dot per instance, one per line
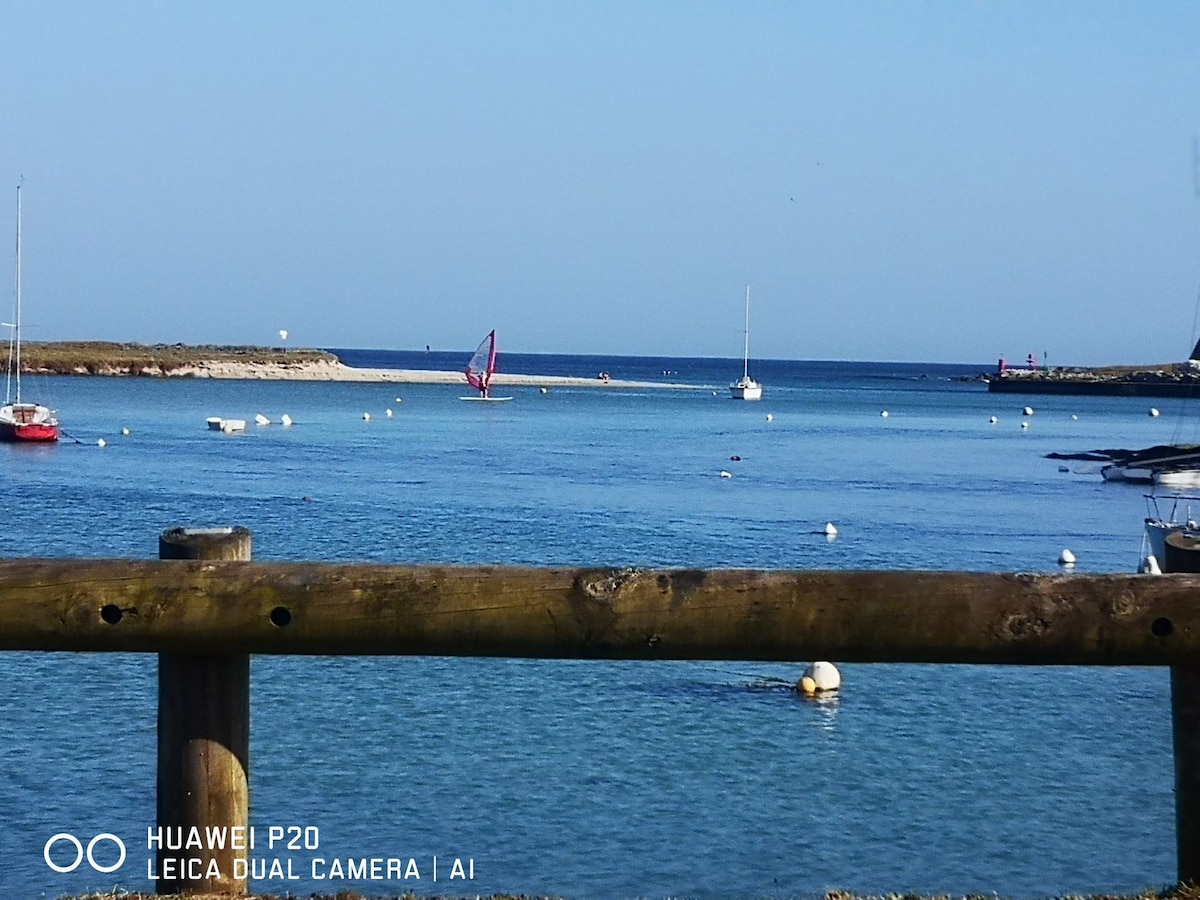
(491, 363)
(14, 349)
(746, 335)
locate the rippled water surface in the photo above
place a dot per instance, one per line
(602, 779)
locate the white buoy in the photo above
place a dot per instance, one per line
(542, 391)
(398, 400)
(102, 443)
(1024, 424)
(820, 677)
(366, 417)
(262, 420)
(831, 529)
(993, 420)
(1027, 411)
(725, 474)
(1153, 413)
(285, 420)
(390, 413)
(1066, 558)
(1149, 566)
(884, 414)
(1074, 418)
(770, 418)
(125, 431)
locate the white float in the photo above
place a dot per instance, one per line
(820, 677)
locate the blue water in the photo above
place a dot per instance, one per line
(604, 779)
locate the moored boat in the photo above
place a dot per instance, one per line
(746, 388)
(20, 421)
(1159, 525)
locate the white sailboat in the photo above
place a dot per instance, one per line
(21, 421)
(746, 388)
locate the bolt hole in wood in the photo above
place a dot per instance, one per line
(281, 617)
(111, 613)
(1161, 627)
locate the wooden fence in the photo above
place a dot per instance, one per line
(205, 607)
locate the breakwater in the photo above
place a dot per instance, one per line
(1164, 382)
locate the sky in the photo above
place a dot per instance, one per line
(902, 181)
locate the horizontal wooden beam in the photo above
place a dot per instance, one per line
(885, 616)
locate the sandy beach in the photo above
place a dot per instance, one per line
(326, 370)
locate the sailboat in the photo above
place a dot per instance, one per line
(746, 388)
(481, 368)
(21, 421)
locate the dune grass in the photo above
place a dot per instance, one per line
(108, 357)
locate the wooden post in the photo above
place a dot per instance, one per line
(1183, 555)
(203, 746)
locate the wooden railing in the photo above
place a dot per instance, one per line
(204, 607)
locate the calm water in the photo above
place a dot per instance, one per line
(599, 779)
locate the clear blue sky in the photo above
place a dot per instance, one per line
(922, 181)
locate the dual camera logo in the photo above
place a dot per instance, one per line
(63, 837)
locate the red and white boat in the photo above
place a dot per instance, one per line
(21, 421)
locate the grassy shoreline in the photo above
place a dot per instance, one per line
(112, 358)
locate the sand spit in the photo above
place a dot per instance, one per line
(327, 370)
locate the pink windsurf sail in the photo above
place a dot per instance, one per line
(483, 364)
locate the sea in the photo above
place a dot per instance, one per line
(599, 780)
